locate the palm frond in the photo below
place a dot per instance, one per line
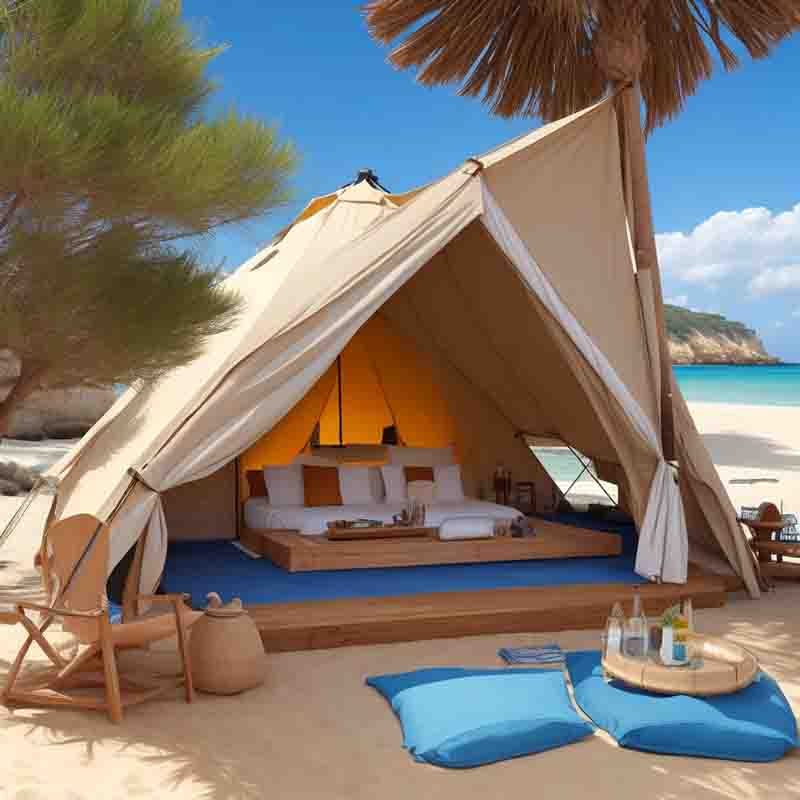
(541, 56)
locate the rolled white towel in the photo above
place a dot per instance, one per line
(467, 528)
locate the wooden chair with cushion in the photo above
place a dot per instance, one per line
(74, 563)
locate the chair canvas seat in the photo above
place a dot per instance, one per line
(151, 628)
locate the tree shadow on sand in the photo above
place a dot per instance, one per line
(758, 452)
(199, 743)
(25, 586)
(339, 741)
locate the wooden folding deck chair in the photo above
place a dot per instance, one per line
(74, 565)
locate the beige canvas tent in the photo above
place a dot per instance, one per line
(512, 278)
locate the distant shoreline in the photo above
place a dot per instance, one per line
(737, 364)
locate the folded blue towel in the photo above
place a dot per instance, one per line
(542, 654)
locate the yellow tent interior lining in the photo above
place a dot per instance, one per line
(388, 380)
(385, 381)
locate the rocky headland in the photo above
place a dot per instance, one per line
(698, 338)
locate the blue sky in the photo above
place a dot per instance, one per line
(725, 174)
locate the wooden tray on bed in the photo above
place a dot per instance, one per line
(338, 534)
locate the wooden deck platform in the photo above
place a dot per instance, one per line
(338, 623)
(297, 553)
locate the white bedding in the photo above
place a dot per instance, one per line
(258, 513)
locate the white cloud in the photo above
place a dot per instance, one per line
(796, 312)
(678, 300)
(777, 323)
(754, 245)
(775, 279)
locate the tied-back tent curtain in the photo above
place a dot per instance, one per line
(305, 305)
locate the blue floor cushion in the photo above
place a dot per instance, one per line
(464, 718)
(754, 724)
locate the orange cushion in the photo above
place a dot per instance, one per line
(419, 474)
(255, 479)
(321, 486)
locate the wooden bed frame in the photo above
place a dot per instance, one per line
(298, 553)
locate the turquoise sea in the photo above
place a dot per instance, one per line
(753, 385)
(757, 385)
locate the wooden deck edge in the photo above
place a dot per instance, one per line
(342, 623)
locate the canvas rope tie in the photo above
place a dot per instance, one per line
(137, 476)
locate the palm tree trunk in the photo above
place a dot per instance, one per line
(644, 243)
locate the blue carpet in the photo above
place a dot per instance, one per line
(581, 519)
(202, 567)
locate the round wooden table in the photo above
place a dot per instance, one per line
(719, 667)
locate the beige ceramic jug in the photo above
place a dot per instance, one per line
(226, 649)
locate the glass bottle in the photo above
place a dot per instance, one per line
(635, 637)
(687, 617)
(688, 614)
(615, 627)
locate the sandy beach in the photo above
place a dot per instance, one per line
(748, 442)
(315, 731)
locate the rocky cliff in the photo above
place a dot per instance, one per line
(697, 338)
(55, 413)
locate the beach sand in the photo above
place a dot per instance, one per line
(748, 442)
(315, 731)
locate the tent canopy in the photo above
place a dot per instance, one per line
(509, 284)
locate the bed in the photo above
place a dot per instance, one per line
(260, 514)
(287, 514)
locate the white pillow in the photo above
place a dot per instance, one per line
(421, 491)
(355, 485)
(449, 488)
(376, 485)
(394, 482)
(285, 485)
(467, 528)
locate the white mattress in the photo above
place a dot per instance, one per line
(258, 513)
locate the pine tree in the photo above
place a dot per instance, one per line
(109, 162)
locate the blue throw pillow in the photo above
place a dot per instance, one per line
(754, 724)
(464, 718)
